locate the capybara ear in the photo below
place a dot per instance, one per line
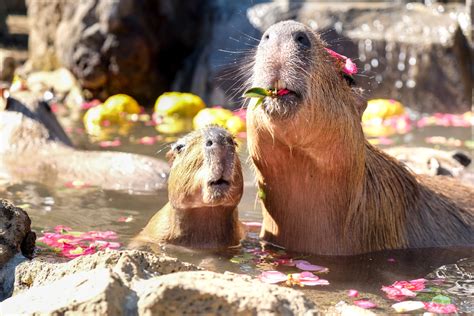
(361, 101)
(170, 155)
(462, 158)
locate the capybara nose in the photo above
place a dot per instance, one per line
(298, 39)
(219, 143)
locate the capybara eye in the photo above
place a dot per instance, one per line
(209, 143)
(178, 148)
(302, 39)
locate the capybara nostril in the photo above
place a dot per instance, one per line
(302, 39)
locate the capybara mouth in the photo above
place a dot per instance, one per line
(219, 185)
(218, 189)
(282, 106)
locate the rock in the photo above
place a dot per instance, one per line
(117, 46)
(128, 264)
(60, 80)
(99, 292)
(134, 282)
(212, 293)
(15, 232)
(44, 18)
(7, 65)
(413, 53)
(344, 309)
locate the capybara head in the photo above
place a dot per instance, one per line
(38, 110)
(205, 170)
(292, 56)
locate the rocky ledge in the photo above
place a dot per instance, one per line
(15, 232)
(133, 282)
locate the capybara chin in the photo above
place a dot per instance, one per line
(327, 190)
(205, 185)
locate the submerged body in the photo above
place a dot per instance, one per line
(34, 147)
(204, 189)
(326, 189)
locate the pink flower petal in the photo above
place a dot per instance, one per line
(308, 278)
(285, 262)
(272, 277)
(252, 224)
(76, 184)
(365, 304)
(91, 104)
(440, 308)
(305, 265)
(283, 92)
(353, 293)
(349, 68)
(110, 143)
(147, 140)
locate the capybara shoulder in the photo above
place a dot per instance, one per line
(204, 188)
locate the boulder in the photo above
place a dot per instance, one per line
(413, 53)
(119, 46)
(128, 264)
(134, 282)
(15, 232)
(98, 292)
(205, 292)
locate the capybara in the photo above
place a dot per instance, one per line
(324, 188)
(34, 147)
(205, 185)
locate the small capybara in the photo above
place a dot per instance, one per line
(205, 185)
(324, 188)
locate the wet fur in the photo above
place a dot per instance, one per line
(328, 191)
(188, 219)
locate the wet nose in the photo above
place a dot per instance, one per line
(218, 142)
(299, 38)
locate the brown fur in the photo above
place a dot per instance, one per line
(191, 219)
(327, 190)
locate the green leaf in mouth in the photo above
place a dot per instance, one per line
(257, 93)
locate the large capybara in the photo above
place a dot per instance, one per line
(205, 185)
(34, 147)
(325, 189)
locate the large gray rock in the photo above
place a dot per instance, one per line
(210, 293)
(128, 264)
(98, 292)
(412, 53)
(121, 46)
(135, 282)
(15, 232)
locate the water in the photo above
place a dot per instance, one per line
(93, 209)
